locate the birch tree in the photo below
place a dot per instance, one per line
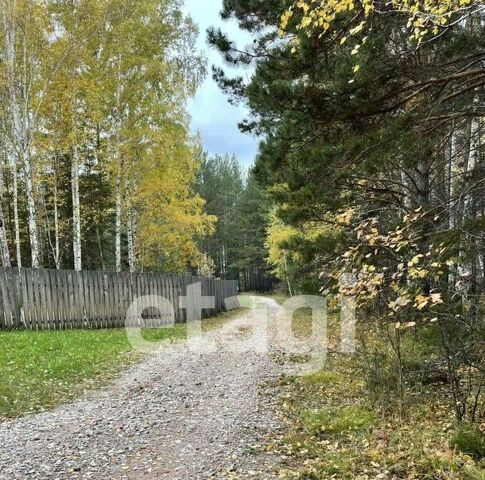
(5, 252)
(9, 30)
(90, 90)
(23, 28)
(76, 210)
(150, 82)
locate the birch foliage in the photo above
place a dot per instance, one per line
(93, 93)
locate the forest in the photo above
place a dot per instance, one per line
(369, 184)
(99, 169)
(372, 154)
(97, 161)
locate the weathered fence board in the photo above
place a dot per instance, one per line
(60, 299)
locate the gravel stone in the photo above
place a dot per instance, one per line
(177, 415)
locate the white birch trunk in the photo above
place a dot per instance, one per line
(130, 229)
(3, 241)
(76, 210)
(452, 195)
(16, 221)
(472, 162)
(19, 124)
(465, 270)
(118, 225)
(9, 29)
(31, 210)
(5, 252)
(119, 173)
(57, 249)
(452, 163)
(131, 242)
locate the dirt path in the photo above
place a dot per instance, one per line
(178, 415)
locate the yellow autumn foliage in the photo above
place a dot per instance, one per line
(423, 17)
(171, 216)
(278, 234)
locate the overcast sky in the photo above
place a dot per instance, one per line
(212, 115)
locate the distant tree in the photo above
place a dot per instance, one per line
(241, 206)
(221, 183)
(250, 225)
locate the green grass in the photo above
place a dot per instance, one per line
(323, 377)
(336, 420)
(469, 440)
(39, 370)
(177, 332)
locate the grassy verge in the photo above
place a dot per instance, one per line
(337, 428)
(39, 370)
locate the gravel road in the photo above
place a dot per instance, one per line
(178, 415)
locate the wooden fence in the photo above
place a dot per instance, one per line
(61, 299)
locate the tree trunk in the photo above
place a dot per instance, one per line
(76, 210)
(472, 161)
(422, 184)
(118, 225)
(118, 159)
(15, 193)
(290, 290)
(31, 210)
(467, 266)
(20, 139)
(9, 59)
(57, 250)
(452, 161)
(466, 270)
(452, 196)
(130, 228)
(131, 242)
(5, 253)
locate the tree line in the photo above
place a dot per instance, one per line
(372, 153)
(97, 164)
(236, 249)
